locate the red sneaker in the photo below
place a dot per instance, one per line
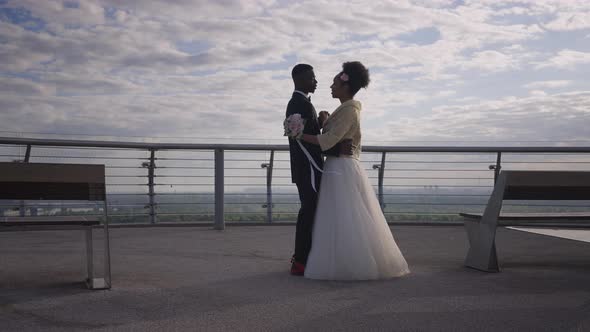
(297, 269)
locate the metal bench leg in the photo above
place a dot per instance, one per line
(482, 248)
(107, 249)
(482, 235)
(105, 281)
(91, 281)
(89, 256)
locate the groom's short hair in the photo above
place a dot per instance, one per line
(299, 69)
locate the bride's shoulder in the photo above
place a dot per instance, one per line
(351, 107)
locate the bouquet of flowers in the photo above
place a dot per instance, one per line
(294, 125)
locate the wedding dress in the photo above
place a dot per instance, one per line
(351, 239)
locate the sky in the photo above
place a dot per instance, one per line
(485, 72)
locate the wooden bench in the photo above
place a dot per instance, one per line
(41, 181)
(570, 219)
(521, 185)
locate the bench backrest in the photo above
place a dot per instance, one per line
(547, 185)
(42, 181)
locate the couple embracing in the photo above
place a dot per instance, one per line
(341, 232)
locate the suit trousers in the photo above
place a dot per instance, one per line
(305, 218)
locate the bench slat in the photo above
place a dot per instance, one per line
(534, 216)
(547, 192)
(52, 191)
(49, 221)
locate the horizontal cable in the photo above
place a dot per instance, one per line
(69, 205)
(99, 215)
(182, 176)
(545, 162)
(89, 148)
(91, 157)
(181, 184)
(416, 213)
(183, 167)
(185, 159)
(437, 170)
(188, 203)
(436, 204)
(186, 214)
(433, 178)
(244, 167)
(438, 186)
(436, 162)
(204, 176)
(128, 167)
(249, 160)
(437, 195)
(126, 194)
(261, 213)
(126, 176)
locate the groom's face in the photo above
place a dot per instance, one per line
(308, 81)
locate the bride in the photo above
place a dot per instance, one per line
(351, 239)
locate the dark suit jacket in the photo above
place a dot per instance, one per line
(299, 163)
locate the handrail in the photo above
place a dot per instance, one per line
(219, 169)
(277, 147)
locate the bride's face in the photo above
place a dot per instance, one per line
(339, 88)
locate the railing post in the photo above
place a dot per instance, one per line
(219, 186)
(21, 210)
(152, 193)
(497, 167)
(381, 168)
(268, 204)
(28, 153)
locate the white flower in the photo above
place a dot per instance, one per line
(294, 125)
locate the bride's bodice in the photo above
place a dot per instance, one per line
(343, 123)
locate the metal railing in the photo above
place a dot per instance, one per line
(161, 170)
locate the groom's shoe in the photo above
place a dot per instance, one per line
(297, 269)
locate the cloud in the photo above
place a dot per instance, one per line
(548, 84)
(538, 93)
(24, 87)
(540, 117)
(569, 21)
(446, 93)
(221, 68)
(22, 50)
(490, 61)
(566, 59)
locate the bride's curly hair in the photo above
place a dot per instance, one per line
(358, 75)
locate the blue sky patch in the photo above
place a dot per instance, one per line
(22, 17)
(513, 19)
(23, 75)
(554, 41)
(72, 4)
(424, 36)
(193, 47)
(110, 12)
(457, 3)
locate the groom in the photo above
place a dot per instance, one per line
(305, 83)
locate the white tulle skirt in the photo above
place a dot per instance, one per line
(351, 239)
